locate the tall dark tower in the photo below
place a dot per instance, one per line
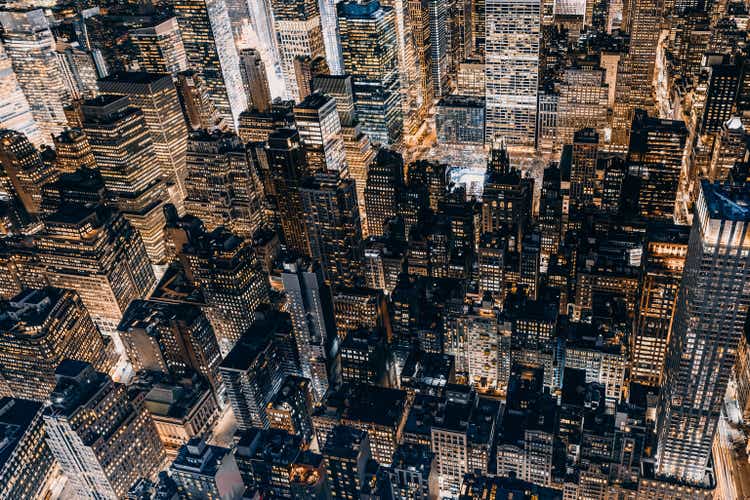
(712, 308)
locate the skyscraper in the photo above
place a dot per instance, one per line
(299, 34)
(663, 265)
(223, 265)
(124, 151)
(291, 407)
(438, 17)
(171, 338)
(38, 330)
(369, 29)
(330, 35)
(203, 470)
(160, 47)
(358, 149)
(155, 95)
(27, 462)
(346, 453)
(87, 405)
(723, 83)
(73, 151)
(78, 70)
(311, 308)
(93, 251)
(222, 186)
(512, 38)
(211, 52)
(332, 223)
(24, 169)
(254, 370)
(634, 88)
(15, 113)
(319, 128)
(712, 308)
(30, 45)
(255, 80)
(286, 160)
(385, 181)
(655, 154)
(583, 167)
(414, 99)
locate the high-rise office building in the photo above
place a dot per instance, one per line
(385, 181)
(419, 25)
(507, 196)
(655, 154)
(212, 53)
(182, 408)
(634, 88)
(25, 169)
(155, 95)
(200, 111)
(319, 128)
(332, 225)
(202, 470)
(730, 148)
(364, 357)
(491, 256)
(663, 265)
(460, 120)
(124, 151)
(346, 453)
(512, 39)
(40, 328)
(87, 405)
(30, 45)
(82, 187)
(73, 151)
(225, 268)
(222, 187)
(437, 12)
(331, 41)
(583, 167)
(15, 112)
(358, 148)
(413, 98)
(711, 312)
(170, 338)
(79, 71)
(311, 307)
(97, 253)
(256, 367)
(160, 48)
(299, 34)
(305, 69)
(487, 341)
(723, 83)
(414, 472)
(286, 160)
(255, 80)
(26, 463)
(291, 408)
(360, 154)
(581, 103)
(368, 29)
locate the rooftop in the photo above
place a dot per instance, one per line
(725, 202)
(256, 339)
(133, 77)
(28, 310)
(16, 416)
(366, 403)
(197, 457)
